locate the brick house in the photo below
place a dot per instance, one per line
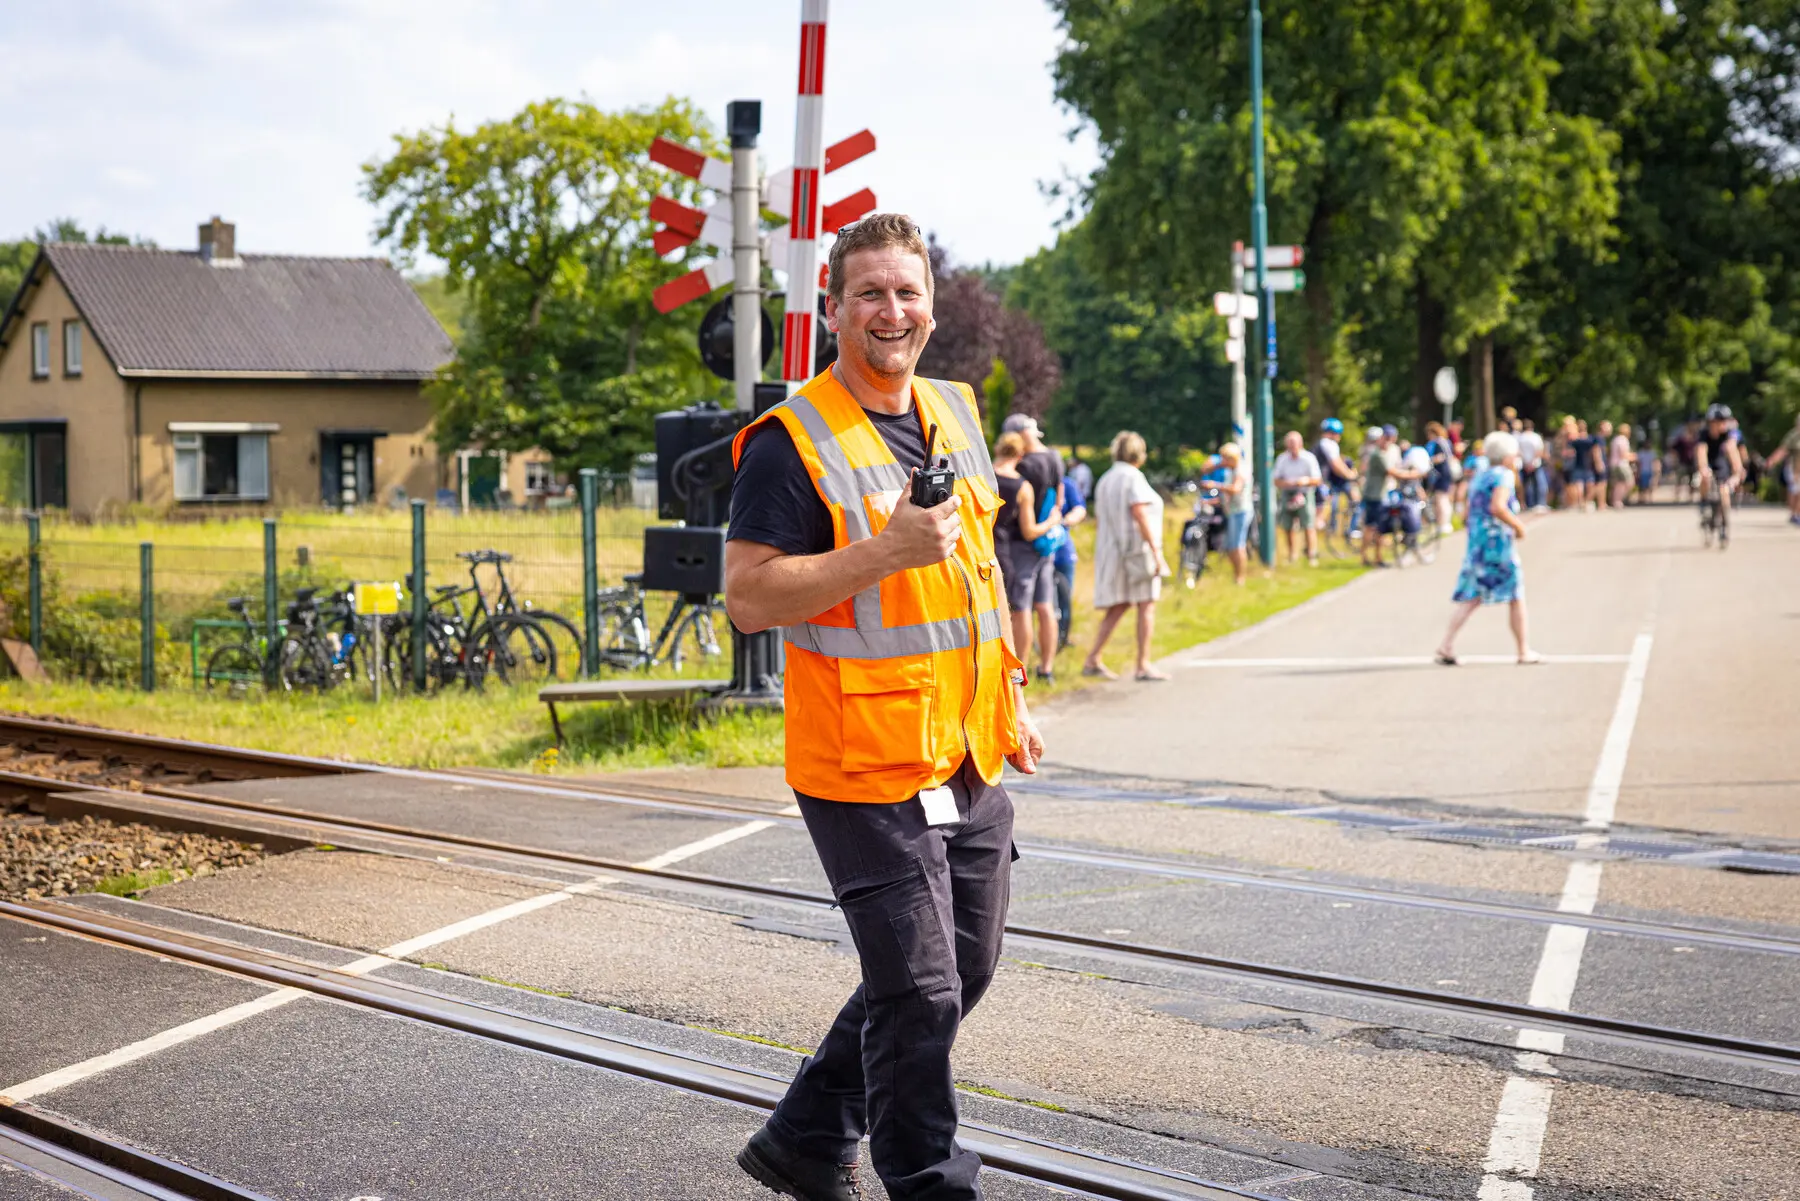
(212, 378)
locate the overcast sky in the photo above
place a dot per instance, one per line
(148, 116)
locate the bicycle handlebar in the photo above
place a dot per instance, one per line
(484, 556)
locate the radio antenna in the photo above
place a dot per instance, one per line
(930, 442)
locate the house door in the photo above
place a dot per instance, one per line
(483, 479)
(346, 469)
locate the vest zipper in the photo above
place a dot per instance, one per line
(974, 653)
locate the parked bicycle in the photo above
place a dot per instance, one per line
(689, 633)
(232, 669)
(512, 642)
(1201, 535)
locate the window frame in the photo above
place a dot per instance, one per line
(40, 350)
(193, 441)
(72, 337)
(547, 485)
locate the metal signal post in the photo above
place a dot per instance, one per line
(743, 120)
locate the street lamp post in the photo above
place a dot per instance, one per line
(1264, 451)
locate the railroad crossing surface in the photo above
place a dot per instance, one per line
(1315, 920)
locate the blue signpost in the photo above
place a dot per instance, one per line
(1264, 450)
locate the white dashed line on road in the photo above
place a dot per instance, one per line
(1517, 1140)
(387, 956)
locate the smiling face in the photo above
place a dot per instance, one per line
(884, 317)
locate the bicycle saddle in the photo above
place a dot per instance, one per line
(305, 595)
(236, 604)
(635, 578)
(445, 589)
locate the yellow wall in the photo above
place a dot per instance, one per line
(406, 457)
(94, 404)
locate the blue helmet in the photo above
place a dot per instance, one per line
(1332, 425)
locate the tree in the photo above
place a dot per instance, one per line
(542, 222)
(16, 257)
(1374, 111)
(1126, 362)
(975, 331)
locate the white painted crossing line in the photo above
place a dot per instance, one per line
(1340, 663)
(1517, 1140)
(387, 956)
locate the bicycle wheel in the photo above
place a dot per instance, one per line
(232, 670)
(1193, 558)
(622, 638)
(696, 639)
(1428, 538)
(565, 637)
(514, 649)
(304, 663)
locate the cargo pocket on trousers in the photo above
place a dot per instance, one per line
(899, 935)
(886, 713)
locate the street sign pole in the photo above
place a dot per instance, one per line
(1240, 417)
(1259, 230)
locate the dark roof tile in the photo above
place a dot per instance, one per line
(171, 312)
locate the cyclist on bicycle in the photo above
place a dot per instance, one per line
(1721, 463)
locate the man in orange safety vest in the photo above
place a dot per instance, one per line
(904, 700)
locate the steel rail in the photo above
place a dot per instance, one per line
(95, 1154)
(1112, 860)
(1038, 1159)
(150, 749)
(1456, 1004)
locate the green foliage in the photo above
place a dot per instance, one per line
(1606, 188)
(1128, 362)
(450, 308)
(997, 391)
(16, 257)
(542, 223)
(92, 637)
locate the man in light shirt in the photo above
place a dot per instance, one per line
(1297, 476)
(1531, 466)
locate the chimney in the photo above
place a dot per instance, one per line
(218, 244)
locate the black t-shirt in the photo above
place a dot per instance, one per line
(774, 500)
(1006, 521)
(1714, 447)
(1043, 470)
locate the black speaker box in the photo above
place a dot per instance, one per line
(688, 559)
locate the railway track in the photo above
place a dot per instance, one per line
(205, 762)
(281, 826)
(90, 1164)
(1036, 1159)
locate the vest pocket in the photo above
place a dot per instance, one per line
(886, 711)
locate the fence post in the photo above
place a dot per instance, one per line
(417, 652)
(271, 580)
(590, 573)
(34, 595)
(147, 613)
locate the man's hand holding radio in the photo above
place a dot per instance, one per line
(916, 537)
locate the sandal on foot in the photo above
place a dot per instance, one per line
(1530, 659)
(1443, 660)
(1151, 674)
(1098, 670)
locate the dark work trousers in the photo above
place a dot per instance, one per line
(926, 906)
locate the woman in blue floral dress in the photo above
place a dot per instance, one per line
(1490, 570)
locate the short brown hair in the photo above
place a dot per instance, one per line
(1009, 446)
(1434, 429)
(877, 231)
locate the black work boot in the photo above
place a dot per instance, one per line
(776, 1165)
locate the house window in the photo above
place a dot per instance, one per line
(540, 480)
(71, 348)
(221, 466)
(40, 350)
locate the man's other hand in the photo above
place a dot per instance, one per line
(1031, 748)
(916, 537)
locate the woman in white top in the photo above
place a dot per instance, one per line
(1128, 556)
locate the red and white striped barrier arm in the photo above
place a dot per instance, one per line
(803, 201)
(692, 286)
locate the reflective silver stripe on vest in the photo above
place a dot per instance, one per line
(975, 461)
(846, 487)
(839, 642)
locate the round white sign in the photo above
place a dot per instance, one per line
(1444, 385)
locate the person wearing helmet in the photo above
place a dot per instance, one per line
(1721, 463)
(1338, 475)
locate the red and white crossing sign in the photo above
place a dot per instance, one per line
(792, 192)
(1279, 256)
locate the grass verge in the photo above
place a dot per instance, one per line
(508, 728)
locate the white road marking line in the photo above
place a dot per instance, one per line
(1327, 663)
(1603, 792)
(1517, 1140)
(387, 956)
(131, 1052)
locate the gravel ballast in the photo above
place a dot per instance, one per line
(40, 858)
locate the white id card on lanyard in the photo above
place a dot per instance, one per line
(940, 807)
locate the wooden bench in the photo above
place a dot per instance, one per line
(584, 691)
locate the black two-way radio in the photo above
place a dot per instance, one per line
(934, 483)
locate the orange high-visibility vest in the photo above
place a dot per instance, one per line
(889, 690)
